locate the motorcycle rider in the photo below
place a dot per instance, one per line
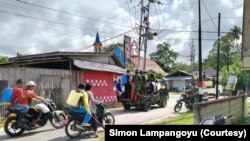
(83, 108)
(17, 98)
(92, 100)
(31, 95)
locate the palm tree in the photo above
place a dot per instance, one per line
(235, 34)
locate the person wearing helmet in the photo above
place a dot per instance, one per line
(30, 94)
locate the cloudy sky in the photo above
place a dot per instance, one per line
(39, 26)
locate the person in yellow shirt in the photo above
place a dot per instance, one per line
(84, 106)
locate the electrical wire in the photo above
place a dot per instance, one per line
(72, 14)
(209, 15)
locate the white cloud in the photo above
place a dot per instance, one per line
(37, 30)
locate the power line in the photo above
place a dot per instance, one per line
(169, 30)
(46, 20)
(31, 11)
(89, 46)
(209, 14)
(72, 14)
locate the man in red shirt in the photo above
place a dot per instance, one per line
(18, 96)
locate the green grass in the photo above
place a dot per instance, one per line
(1, 122)
(246, 120)
(114, 105)
(174, 93)
(101, 138)
(181, 119)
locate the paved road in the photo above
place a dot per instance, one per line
(133, 116)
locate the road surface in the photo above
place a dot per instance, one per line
(48, 133)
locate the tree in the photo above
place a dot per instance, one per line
(110, 48)
(3, 59)
(229, 51)
(164, 56)
(236, 70)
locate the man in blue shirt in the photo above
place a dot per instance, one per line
(119, 90)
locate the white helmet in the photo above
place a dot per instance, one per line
(31, 83)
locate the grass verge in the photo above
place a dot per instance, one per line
(1, 122)
(181, 119)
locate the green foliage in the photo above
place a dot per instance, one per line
(110, 48)
(229, 50)
(19, 54)
(184, 66)
(164, 56)
(3, 59)
(235, 69)
(158, 76)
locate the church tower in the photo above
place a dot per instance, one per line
(97, 44)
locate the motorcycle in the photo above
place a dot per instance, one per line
(37, 116)
(216, 120)
(184, 98)
(99, 119)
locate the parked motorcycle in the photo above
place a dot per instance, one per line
(184, 98)
(37, 116)
(99, 119)
(216, 120)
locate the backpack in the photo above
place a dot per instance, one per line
(6, 97)
(74, 98)
(124, 79)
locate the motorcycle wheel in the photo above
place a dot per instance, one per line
(177, 106)
(71, 129)
(9, 125)
(58, 124)
(108, 119)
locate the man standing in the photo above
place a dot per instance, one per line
(119, 90)
(137, 83)
(127, 84)
(143, 82)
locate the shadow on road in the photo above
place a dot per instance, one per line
(30, 133)
(133, 110)
(65, 138)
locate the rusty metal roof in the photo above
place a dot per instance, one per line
(98, 66)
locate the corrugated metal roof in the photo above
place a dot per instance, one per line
(98, 66)
(179, 78)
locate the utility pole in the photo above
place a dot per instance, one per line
(218, 59)
(192, 54)
(140, 34)
(200, 52)
(146, 20)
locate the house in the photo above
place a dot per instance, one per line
(56, 73)
(178, 80)
(150, 65)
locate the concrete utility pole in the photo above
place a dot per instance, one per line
(140, 34)
(146, 20)
(200, 52)
(192, 54)
(218, 59)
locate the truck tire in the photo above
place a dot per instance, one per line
(126, 106)
(147, 106)
(163, 102)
